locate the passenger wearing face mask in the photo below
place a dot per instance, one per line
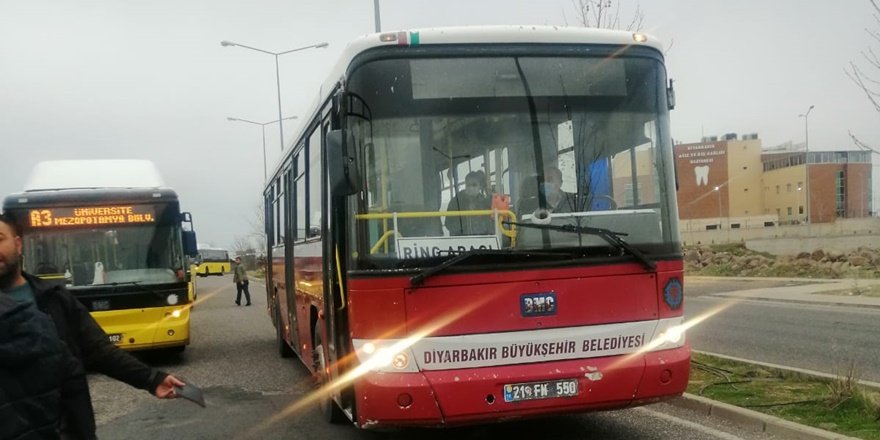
(473, 197)
(556, 199)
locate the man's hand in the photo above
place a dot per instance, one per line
(165, 390)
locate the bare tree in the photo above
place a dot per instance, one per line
(867, 76)
(242, 245)
(605, 14)
(256, 240)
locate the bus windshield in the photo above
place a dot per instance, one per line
(146, 254)
(214, 255)
(456, 151)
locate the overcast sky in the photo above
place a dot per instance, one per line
(149, 80)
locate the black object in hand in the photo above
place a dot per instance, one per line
(192, 393)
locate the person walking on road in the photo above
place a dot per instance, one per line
(241, 283)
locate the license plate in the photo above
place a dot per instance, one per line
(518, 392)
(115, 338)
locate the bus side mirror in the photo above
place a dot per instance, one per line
(190, 246)
(342, 167)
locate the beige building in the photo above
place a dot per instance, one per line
(732, 183)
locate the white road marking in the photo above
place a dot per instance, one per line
(688, 424)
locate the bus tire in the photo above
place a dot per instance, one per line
(329, 409)
(284, 350)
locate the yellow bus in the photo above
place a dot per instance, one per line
(213, 261)
(118, 240)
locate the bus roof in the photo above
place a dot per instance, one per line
(89, 197)
(481, 35)
(95, 173)
(204, 247)
(477, 35)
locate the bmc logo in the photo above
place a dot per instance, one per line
(538, 304)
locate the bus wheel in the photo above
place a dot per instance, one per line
(329, 409)
(284, 350)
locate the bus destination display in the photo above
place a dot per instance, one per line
(92, 215)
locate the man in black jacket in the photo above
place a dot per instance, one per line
(76, 327)
(37, 371)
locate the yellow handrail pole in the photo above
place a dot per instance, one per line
(339, 276)
(382, 240)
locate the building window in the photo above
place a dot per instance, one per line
(777, 189)
(788, 187)
(789, 210)
(801, 209)
(840, 194)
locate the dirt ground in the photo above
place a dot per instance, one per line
(698, 286)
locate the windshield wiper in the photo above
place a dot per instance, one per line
(419, 278)
(612, 237)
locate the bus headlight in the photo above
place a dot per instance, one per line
(176, 313)
(383, 356)
(670, 333)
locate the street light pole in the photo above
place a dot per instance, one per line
(263, 127)
(718, 191)
(321, 45)
(278, 88)
(376, 13)
(808, 215)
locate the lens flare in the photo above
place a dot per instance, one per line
(676, 333)
(379, 359)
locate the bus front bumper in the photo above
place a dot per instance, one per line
(149, 328)
(459, 397)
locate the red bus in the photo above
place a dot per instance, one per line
(479, 224)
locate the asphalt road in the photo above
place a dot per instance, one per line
(813, 337)
(232, 356)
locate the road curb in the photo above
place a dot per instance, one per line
(754, 420)
(794, 301)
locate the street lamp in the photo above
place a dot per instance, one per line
(225, 43)
(798, 203)
(718, 191)
(806, 117)
(263, 126)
